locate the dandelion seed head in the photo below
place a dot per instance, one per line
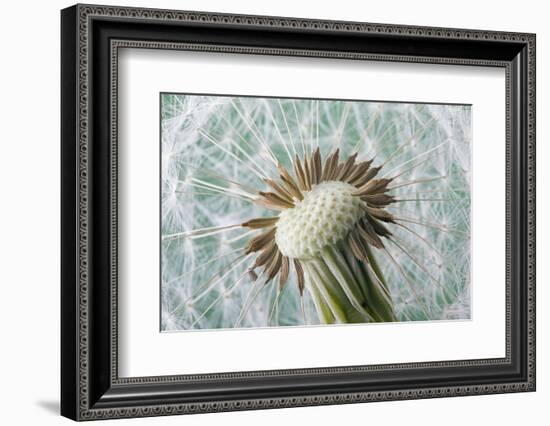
(325, 216)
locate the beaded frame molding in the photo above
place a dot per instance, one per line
(91, 38)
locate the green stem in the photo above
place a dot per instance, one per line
(346, 290)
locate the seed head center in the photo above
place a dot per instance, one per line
(325, 216)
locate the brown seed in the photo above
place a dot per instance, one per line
(273, 266)
(357, 247)
(266, 255)
(269, 205)
(260, 241)
(381, 214)
(289, 183)
(371, 173)
(347, 168)
(279, 190)
(300, 276)
(299, 172)
(367, 233)
(374, 186)
(359, 171)
(334, 165)
(307, 174)
(379, 228)
(318, 165)
(378, 200)
(330, 165)
(283, 276)
(337, 171)
(276, 199)
(261, 222)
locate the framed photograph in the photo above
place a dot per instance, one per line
(263, 212)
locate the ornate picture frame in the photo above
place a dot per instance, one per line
(91, 39)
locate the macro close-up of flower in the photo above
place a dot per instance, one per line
(294, 212)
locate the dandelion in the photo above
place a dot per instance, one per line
(331, 217)
(269, 210)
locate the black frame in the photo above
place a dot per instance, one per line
(91, 37)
